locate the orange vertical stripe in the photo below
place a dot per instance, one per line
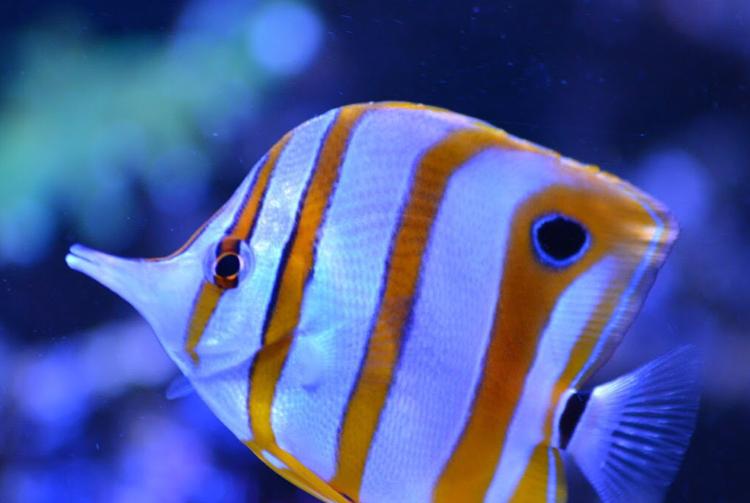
(520, 317)
(371, 390)
(210, 294)
(249, 208)
(533, 487)
(296, 473)
(269, 362)
(580, 354)
(205, 304)
(248, 215)
(583, 350)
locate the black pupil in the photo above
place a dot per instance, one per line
(228, 266)
(560, 238)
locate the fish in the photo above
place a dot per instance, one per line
(403, 303)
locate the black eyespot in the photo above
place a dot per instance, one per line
(228, 265)
(558, 240)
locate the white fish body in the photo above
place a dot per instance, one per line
(400, 303)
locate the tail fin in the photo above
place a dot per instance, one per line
(634, 431)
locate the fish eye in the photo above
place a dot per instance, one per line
(230, 262)
(228, 265)
(559, 241)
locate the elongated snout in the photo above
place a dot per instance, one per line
(123, 276)
(162, 291)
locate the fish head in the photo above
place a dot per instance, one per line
(199, 300)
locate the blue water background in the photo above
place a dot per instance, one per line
(125, 124)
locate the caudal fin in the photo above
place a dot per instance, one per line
(634, 430)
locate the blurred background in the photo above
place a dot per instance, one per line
(125, 124)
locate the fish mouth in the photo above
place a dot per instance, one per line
(86, 260)
(129, 278)
(159, 291)
(123, 276)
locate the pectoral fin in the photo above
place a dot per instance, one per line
(180, 387)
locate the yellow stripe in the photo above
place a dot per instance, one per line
(205, 304)
(367, 401)
(269, 362)
(533, 487)
(249, 213)
(580, 354)
(584, 347)
(210, 294)
(583, 350)
(520, 317)
(296, 473)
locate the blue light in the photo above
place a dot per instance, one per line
(284, 37)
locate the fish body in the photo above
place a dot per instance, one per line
(401, 303)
